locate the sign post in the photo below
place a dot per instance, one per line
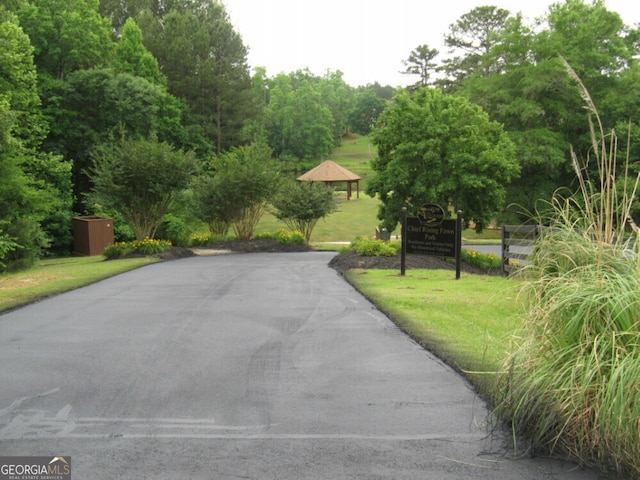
(458, 243)
(403, 242)
(431, 233)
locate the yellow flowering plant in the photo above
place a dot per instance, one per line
(147, 246)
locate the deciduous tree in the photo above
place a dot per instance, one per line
(593, 41)
(366, 109)
(131, 56)
(34, 187)
(299, 122)
(300, 205)
(91, 104)
(139, 179)
(67, 35)
(212, 203)
(527, 89)
(436, 148)
(338, 97)
(245, 180)
(118, 11)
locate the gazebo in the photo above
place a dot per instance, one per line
(330, 172)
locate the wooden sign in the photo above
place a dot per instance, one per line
(431, 233)
(431, 239)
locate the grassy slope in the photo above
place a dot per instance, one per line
(355, 154)
(358, 217)
(354, 218)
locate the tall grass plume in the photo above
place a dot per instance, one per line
(573, 382)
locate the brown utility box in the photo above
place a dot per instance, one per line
(91, 235)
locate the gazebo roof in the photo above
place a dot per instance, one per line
(328, 171)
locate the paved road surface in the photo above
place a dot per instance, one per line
(486, 249)
(256, 366)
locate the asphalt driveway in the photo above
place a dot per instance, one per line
(253, 366)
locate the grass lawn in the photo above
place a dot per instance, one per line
(358, 218)
(354, 218)
(355, 154)
(467, 322)
(53, 276)
(488, 236)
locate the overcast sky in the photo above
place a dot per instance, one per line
(364, 39)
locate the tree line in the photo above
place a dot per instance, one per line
(517, 73)
(84, 80)
(84, 83)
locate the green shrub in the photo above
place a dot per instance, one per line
(264, 236)
(150, 246)
(27, 243)
(203, 239)
(142, 247)
(58, 228)
(288, 237)
(300, 205)
(283, 236)
(174, 229)
(121, 231)
(369, 247)
(117, 250)
(6, 245)
(481, 260)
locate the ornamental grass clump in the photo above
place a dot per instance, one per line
(572, 386)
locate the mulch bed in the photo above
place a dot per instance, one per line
(351, 259)
(237, 246)
(341, 262)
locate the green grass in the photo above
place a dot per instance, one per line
(355, 154)
(489, 236)
(53, 276)
(356, 217)
(467, 322)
